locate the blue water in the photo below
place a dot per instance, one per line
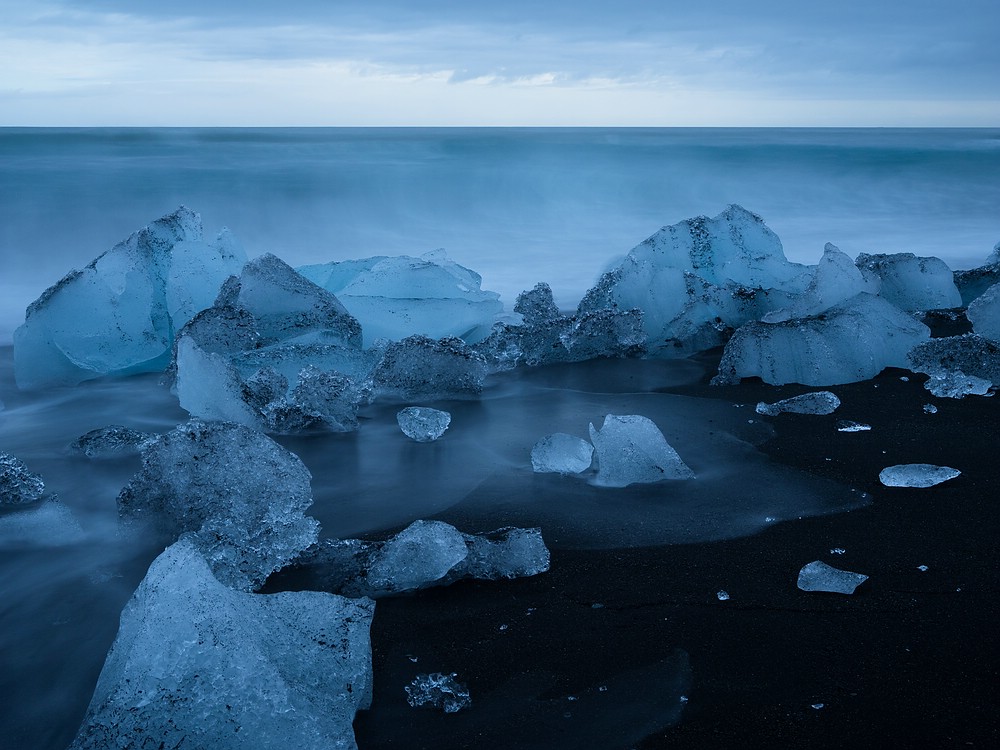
(517, 205)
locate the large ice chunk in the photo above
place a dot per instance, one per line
(818, 402)
(561, 453)
(118, 315)
(984, 313)
(969, 354)
(420, 368)
(196, 664)
(818, 576)
(912, 283)
(422, 423)
(241, 495)
(916, 475)
(852, 341)
(396, 297)
(18, 486)
(631, 449)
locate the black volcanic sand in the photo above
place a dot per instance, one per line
(633, 647)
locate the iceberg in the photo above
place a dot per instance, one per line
(118, 315)
(240, 495)
(423, 424)
(113, 441)
(397, 297)
(818, 576)
(440, 691)
(984, 313)
(852, 341)
(818, 402)
(18, 486)
(561, 453)
(421, 368)
(196, 664)
(912, 283)
(916, 475)
(631, 449)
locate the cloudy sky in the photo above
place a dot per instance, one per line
(515, 62)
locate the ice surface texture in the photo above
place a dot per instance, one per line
(424, 554)
(969, 354)
(423, 424)
(118, 315)
(396, 297)
(818, 576)
(18, 486)
(818, 402)
(631, 449)
(440, 691)
(196, 664)
(912, 283)
(241, 496)
(420, 367)
(852, 341)
(916, 475)
(984, 313)
(561, 453)
(113, 441)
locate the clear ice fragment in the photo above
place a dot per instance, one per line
(440, 691)
(916, 475)
(846, 425)
(561, 453)
(818, 576)
(818, 402)
(631, 449)
(422, 423)
(956, 384)
(113, 441)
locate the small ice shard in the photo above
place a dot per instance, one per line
(396, 297)
(422, 423)
(818, 402)
(18, 486)
(196, 664)
(916, 475)
(956, 384)
(850, 342)
(440, 691)
(118, 315)
(970, 354)
(922, 568)
(241, 495)
(48, 525)
(912, 283)
(561, 453)
(722, 595)
(420, 367)
(113, 441)
(818, 576)
(846, 425)
(984, 313)
(930, 409)
(631, 449)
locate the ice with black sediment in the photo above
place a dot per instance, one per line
(419, 367)
(630, 449)
(956, 384)
(916, 475)
(198, 664)
(113, 441)
(910, 282)
(239, 496)
(118, 315)
(969, 355)
(818, 402)
(422, 423)
(561, 453)
(818, 576)
(438, 690)
(18, 485)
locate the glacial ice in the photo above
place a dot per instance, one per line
(956, 384)
(18, 486)
(118, 315)
(440, 691)
(912, 283)
(423, 424)
(561, 453)
(916, 475)
(424, 554)
(817, 402)
(196, 664)
(852, 341)
(984, 313)
(969, 354)
(818, 576)
(396, 297)
(241, 496)
(631, 449)
(537, 306)
(421, 368)
(113, 441)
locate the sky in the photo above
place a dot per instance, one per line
(510, 63)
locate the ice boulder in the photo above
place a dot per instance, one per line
(438, 690)
(970, 354)
(916, 475)
(850, 342)
(113, 441)
(18, 486)
(912, 283)
(396, 297)
(196, 664)
(818, 402)
(241, 496)
(423, 424)
(631, 449)
(984, 313)
(421, 368)
(118, 315)
(818, 576)
(562, 454)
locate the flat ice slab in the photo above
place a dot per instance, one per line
(818, 402)
(916, 475)
(631, 449)
(818, 576)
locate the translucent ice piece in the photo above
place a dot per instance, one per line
(818, 402)
(956, 384)
(916, 475)
(440, 691)
(912, 283)
(818, 576)
(196, 664)
(423, 552)
(846, 425)
(112, 441)
(984, 313)
(631, 449)
(18, 486)
(561, 453)
(423, 424)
